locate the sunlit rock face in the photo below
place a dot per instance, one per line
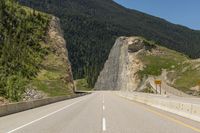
(120, 70)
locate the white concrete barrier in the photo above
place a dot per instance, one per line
(22, 106)
(179, 107)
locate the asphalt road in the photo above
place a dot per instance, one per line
(97, 113)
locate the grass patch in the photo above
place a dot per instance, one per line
(148, 90)
(48, 75)
(164, 59)
(52, 87)
(82, 85)
(50, 79)
(187, 79)
(155, 64)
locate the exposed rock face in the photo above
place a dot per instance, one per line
(109, 76)
(120, 69)
(59, 49)
(31, 94)
(56, 63)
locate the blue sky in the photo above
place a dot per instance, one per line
(183, 12)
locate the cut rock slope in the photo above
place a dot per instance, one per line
(121, 67)
(135, 63)
(55, 74)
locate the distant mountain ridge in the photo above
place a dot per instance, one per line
(91, 27)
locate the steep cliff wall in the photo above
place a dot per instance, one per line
(109, 76)
(120, 69)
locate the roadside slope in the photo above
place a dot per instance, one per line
(134, 63)
(55, 75)
(34, 61)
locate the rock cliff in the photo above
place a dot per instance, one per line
(55, 76)
(58, 47)
(135, 63)
(122, 65)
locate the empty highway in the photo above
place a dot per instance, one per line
(98, 112)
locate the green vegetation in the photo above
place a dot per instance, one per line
(82, 85)
(22, 33)
(183, 72)
(155, 64)
(148, 90)
(51, 77)
(162, 58)
(52, 87)
(91, 27)
(187, 79)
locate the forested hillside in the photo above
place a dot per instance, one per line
(91, 26)
(22, 32)
(33, 56)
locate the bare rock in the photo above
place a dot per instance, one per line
(122, 65)
(32, 93)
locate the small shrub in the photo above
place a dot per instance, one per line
(15, 87)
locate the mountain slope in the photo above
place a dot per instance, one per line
(135, 63)
(93, 26)
(27, 48)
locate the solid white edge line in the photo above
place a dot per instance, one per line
(104, 124)
(45, 116)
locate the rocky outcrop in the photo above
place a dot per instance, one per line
(122, 65)
(55, 72)
(58, 47)
(120, 71)
(109, 76)
(32, 94)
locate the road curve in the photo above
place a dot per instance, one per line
(97, 113)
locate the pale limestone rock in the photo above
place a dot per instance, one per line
(121, 67)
